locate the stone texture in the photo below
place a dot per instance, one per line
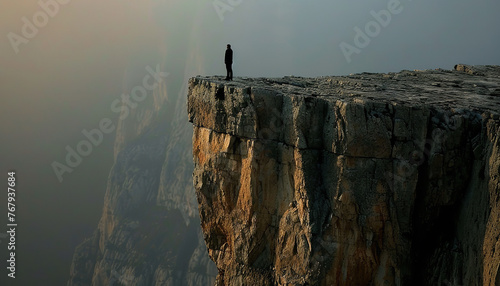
(367, 179)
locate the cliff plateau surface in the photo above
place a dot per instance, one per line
(367, 179)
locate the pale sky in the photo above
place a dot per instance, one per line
(64, 77)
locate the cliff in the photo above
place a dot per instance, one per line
(149, 232)
(367, 179)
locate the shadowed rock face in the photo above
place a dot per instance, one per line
(368, 179)
(149, 232)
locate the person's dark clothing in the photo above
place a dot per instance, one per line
(228, 60)
(229, 70)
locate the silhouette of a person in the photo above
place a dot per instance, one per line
(228, 60)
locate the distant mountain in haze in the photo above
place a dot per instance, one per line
(149, 232)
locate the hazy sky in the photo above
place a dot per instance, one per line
(65, 76)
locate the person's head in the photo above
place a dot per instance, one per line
(228, 46)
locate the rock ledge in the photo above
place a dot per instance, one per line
(367, 179)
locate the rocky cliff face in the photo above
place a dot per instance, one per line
(368, 179)
(149, 233)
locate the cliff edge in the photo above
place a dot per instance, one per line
(367, 179)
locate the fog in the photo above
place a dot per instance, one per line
(61, 80)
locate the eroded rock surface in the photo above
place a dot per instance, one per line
(367, 179)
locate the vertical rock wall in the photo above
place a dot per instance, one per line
(370, 179)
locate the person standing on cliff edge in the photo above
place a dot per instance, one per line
(228, 60)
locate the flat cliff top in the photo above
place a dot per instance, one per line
(474, 88)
